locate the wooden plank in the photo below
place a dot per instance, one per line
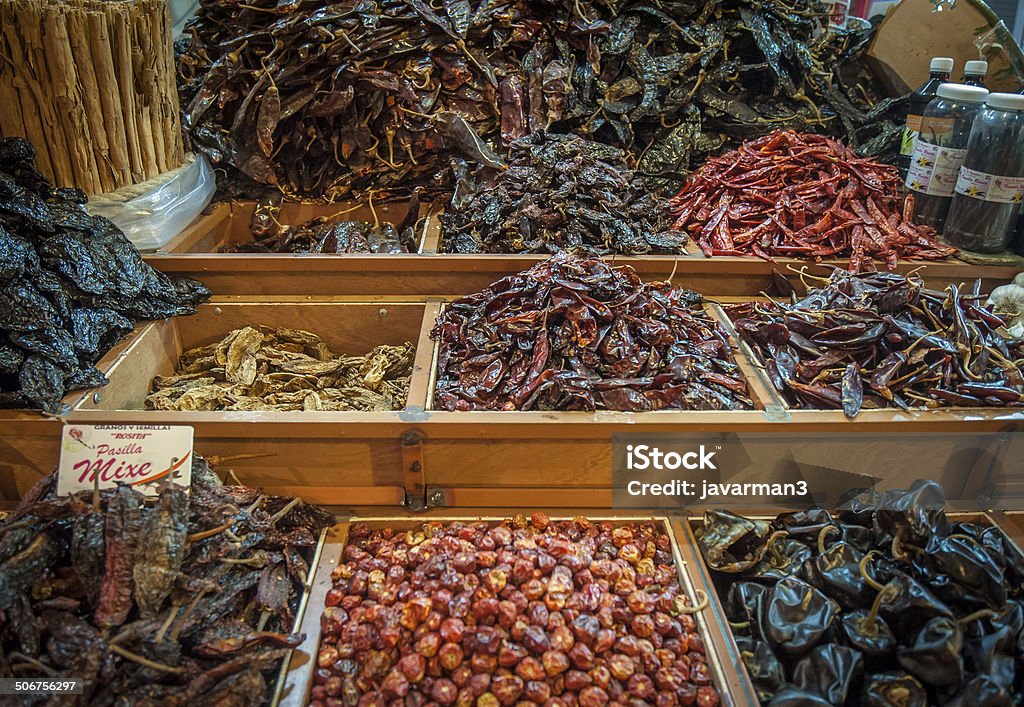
(204, 235)
(421, 386)
(535, 497)
(712, 623)
(298, 679)
(425, 274)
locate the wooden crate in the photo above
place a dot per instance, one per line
(30, 440)
(429, 273)
(550, 457)
(227, 224)
(337, 458)
(734, 688)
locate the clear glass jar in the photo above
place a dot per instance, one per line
(940, 150)
(983, 215)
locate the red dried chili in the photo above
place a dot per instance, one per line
(794, 195)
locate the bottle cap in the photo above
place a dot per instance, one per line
(1005, 101)
(978, 67)
(961, 92)
(942, 63)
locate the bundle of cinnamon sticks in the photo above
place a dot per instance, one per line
(91, 84)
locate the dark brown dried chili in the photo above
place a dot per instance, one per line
(575, 333)
(884, 340)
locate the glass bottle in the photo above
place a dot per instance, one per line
(990, 188)
(975, 72)
(940, 70)
(940, 149)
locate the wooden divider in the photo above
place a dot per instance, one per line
(429, 273)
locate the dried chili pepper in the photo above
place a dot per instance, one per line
(906, 606)
(560, 192)
(178, 618)
(71, 286)
(325, 100)
(326, 234)
(121, 536)
(792, 195)
(574, 333)
(524, 610)
(883, 340)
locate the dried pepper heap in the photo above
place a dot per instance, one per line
(327, 234)
(187, 600)
(574, 333)
(284, 369)
(884, 340)
(560, 192)
(887, 602)
(789, 195)
(71, 286)
(523, 612)
(325, 100)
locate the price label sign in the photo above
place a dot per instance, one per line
(143, 456)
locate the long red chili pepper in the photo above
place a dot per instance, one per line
(797, 195)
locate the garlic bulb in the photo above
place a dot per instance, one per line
(1008, 302)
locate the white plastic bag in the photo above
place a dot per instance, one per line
(154, 212)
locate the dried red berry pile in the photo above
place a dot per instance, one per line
(526, 612)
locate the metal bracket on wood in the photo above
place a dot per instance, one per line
(437, 497)
(412, 471)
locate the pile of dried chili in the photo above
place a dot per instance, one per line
(884, 602)
(575, 333)
(792, 195)
(560, 192)
(884, 340)
(327, 234)
(324, 100)
(523, 612)
(187, 599)
(71, 286)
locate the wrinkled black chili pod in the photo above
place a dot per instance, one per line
(836, 571)
(915, 515)
(745, 606)
(830, 670)
(798, 615)
(792, 696)
(732, 543)
(982, 691)
(934, 656)
(766, 672)
(785, 558)
(965, 571)
(867, 631)
(895, 688)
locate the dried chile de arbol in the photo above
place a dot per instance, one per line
(880, 340)
(71, 286)
(575, 333)
(325, 100)
(792, 195)
(158, 602)
(896, 604)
